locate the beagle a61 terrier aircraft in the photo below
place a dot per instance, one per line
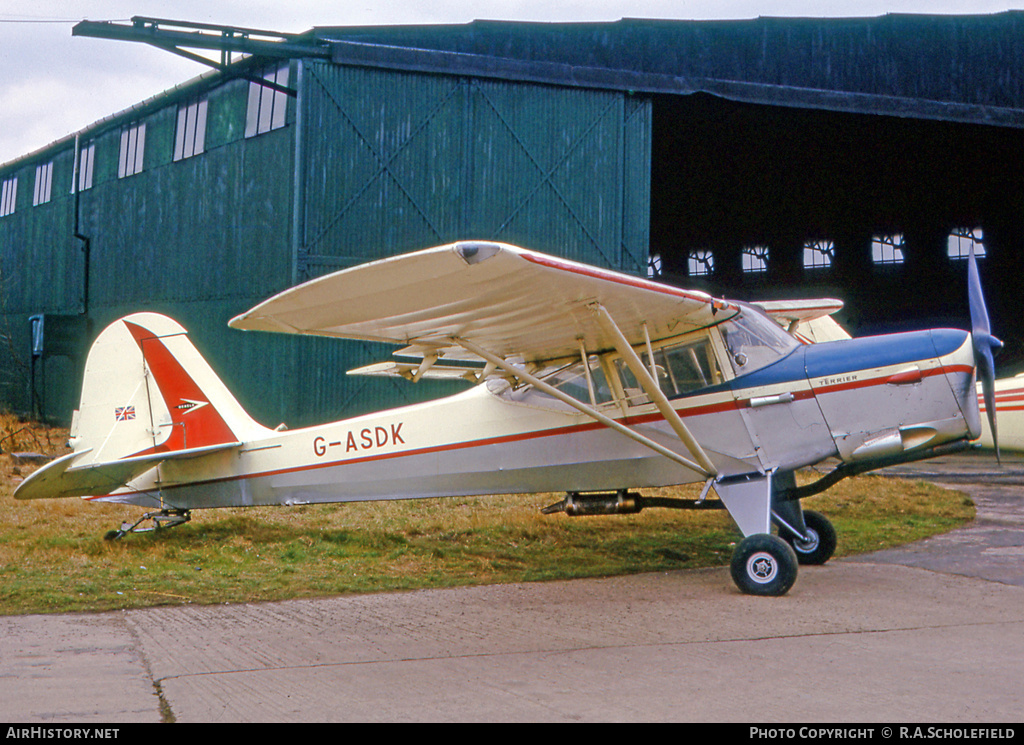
(587, 381)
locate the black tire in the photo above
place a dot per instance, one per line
(764, 565)
(822, 543)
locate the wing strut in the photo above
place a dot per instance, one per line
(585, 409)
(586, 373)
(651, 387)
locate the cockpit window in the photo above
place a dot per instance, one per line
(754, 341)
(686, 367)
(681, 369)
(573, 381)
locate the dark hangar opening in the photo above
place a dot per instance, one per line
(739, 191)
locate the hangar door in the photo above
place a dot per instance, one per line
(394, 162)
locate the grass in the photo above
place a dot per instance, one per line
(53, 557)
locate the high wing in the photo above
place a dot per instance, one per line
(510, 301)
(504, 305)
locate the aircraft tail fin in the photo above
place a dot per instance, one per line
(147, 395)
(147, 389)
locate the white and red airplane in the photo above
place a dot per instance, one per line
(588, 382)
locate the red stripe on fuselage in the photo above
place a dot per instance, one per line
(891, 379)
(521, 436)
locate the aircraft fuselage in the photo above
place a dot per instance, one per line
(853, 399)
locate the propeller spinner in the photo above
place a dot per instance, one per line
(985, 345)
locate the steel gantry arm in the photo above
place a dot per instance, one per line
(180, 36)
(704, 467)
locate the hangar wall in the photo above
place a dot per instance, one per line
(164, 234)
(394, 162)
(369, 163)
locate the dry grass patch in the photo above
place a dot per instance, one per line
(53, 557)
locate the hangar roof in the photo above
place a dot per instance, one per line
(954, 68)
(967, 68)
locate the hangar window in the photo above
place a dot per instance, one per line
(190, 136)
(8, 196)
(654, 266)
(267, 106)
(960, 242)
(887, 249)
(133, 147)
(701, 263)
(819, 254)
(44, 182)
(86, 160)
(755, 259)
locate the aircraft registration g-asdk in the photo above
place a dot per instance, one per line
(588, 382)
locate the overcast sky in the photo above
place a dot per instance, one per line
(53, 84)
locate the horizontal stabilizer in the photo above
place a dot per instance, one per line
(809, 320)
(62, 478)
(800, 310)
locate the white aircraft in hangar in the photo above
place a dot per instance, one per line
(588, 382)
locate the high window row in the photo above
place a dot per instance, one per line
(265, 112)
(819, 255)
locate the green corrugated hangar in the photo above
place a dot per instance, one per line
(854, 158)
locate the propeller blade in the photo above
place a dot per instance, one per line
(976, 298)
(985, 345)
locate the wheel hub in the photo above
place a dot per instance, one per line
(809, 544)
(762, 567)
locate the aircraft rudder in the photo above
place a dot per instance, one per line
(146, 388)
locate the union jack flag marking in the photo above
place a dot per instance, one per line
(124, 413)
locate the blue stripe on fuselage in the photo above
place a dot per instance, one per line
(834, 358)
(837, 357)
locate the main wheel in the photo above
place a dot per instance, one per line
(820, 542)
(764, 565)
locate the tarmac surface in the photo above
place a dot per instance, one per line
(933, 632)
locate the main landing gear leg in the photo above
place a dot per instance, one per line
(161, 519)
(818, 541)
(809, 533)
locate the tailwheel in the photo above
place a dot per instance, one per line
(818, 544)
(161, 519)
(764, 564)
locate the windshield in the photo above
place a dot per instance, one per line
(755, 341)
